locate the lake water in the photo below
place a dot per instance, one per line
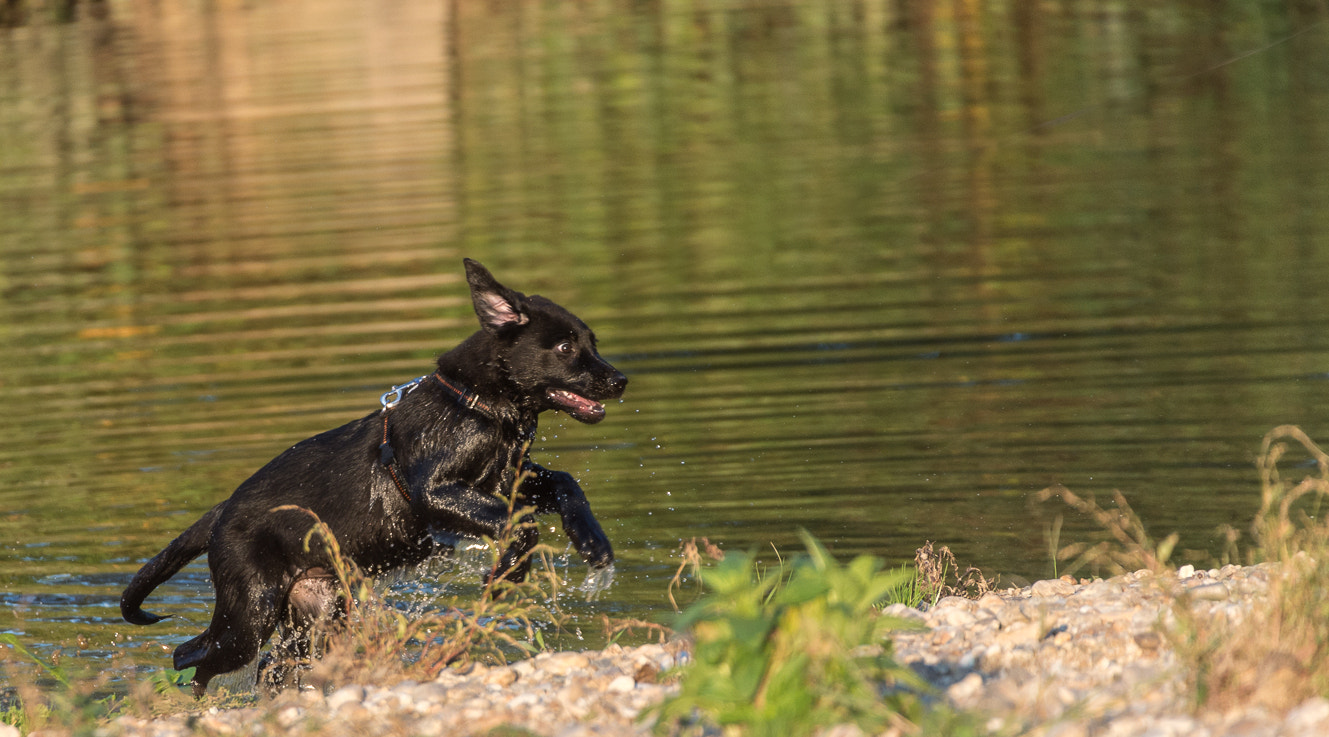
(879, 270)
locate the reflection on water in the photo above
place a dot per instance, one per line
(877, 269)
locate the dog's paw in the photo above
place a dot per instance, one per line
(598, 580)
(595, 549)
(586, 535)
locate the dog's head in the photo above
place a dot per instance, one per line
(544, 350)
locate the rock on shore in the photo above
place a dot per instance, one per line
(1067, 659)
(570, 694)
(1057, 659)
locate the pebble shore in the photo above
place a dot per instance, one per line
(1067, 659)
(1059, 658)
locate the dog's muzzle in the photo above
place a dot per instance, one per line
(584, 409)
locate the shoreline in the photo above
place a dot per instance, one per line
(1059, 658)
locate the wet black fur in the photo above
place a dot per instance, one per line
(457, 464)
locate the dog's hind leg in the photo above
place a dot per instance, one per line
(240, 626)
(312, 604)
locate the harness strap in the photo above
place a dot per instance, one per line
(387, 460)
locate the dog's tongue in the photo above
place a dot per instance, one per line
(581, 408)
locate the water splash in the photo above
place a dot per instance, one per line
(597, 581)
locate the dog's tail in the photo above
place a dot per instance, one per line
(191, 544)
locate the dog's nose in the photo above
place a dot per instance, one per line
(617, 383)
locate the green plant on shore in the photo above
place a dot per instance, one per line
(789, 650)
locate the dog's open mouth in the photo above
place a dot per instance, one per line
(581, 408)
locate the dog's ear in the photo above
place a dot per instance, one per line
(497, 306)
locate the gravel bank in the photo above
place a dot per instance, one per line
(1057, 659)
(1067, 659)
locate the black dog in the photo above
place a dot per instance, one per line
(441, 457)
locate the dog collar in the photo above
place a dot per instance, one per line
(468, 399)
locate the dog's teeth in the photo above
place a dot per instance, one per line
(586, 410)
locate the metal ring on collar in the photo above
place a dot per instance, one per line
(397, 393)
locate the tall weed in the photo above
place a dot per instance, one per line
(1276, 654)
(373, 641)
(937, 575)
(1125, 545)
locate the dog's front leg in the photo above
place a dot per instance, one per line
(556, 491)
(468, 511)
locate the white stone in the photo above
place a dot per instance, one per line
(346, 695)
(500, 677)
(562, 664)
(1052, 587)
(405, 686)
(951, 617)
(387, 700)
(523, 668)
(289, 716)
(965, 691)
(956, 602)
(523, 699)
(1067, 729)
(430, 690)
(1308, 719)
(902, 611)
(1175, 727)
(1216, 591)
(971, 659)
(621, 684)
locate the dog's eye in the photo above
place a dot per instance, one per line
(565, 348)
